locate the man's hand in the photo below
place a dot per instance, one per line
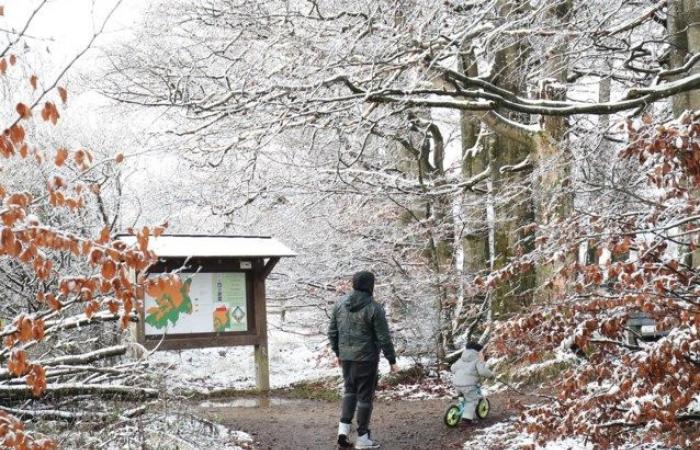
(394, 368)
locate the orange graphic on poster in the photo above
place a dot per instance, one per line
(172, 297)
(222, 318)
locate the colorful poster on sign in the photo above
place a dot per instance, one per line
(204, 303)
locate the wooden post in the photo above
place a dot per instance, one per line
(262, 363)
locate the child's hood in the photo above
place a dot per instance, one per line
(469, 355)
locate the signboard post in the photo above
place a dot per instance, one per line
(220, 300)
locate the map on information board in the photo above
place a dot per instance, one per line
(202, 303)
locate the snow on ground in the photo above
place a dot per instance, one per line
(427, 388)
(293, 358)
(503, 435)
(161, 430)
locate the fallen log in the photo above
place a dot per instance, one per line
(22, 392)
(81, 359)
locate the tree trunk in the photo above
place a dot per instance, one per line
(513, 211)
(552, 195)
(684, 37)
(474, 232)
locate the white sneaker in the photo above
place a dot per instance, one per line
(365, 442)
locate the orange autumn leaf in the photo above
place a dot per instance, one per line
(53, 302)
(38, 330)
(13, 60)
(18, 363)
(63, 94)
(50, 113)
(2, 10)
(96, 256)
(109, 269)
(21, 199)
(23, 110)
(104, 236)
(24, 329)
(61, 156)
(91, 308)
(7, 238)
(33, 81)
(3, 66)
(112, 306)
(79, 156)
(36, 379)
(119, 158)
(17, 134)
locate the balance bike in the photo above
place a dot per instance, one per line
(454, 413)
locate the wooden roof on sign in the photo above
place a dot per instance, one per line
(208, 246)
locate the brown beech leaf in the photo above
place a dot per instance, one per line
(61, 156)
(38, 329)
(104, 236)
(36, 379)
(50, 113)
(17, 134)
(18, 363)
(23, 111)
(33, 80)
(109, 269)
(63, 94)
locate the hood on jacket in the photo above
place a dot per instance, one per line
(469, 355)
(363, 281)
(357, 300)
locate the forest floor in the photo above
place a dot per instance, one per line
(312, 424)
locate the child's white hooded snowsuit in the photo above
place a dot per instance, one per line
(468, 371)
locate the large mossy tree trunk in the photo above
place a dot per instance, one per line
(683, 27)
(513, 210)
(684, 37)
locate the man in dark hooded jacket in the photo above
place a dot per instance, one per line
(357, 332)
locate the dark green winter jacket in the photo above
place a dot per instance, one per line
(358, 329)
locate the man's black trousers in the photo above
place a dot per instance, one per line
(360, 382)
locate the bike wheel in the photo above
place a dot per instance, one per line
(483, 408)
(453, 416)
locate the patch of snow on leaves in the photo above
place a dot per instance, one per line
(505, 436)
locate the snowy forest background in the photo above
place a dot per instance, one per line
(521, 173)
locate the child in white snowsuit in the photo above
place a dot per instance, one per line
(468, 372)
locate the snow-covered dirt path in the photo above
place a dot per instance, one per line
(309, 424)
